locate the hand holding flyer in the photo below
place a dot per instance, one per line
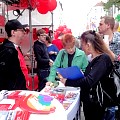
(59, 75)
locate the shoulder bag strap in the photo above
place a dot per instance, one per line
(62, 57)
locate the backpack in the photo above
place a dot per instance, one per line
(116, 76)
(102, 98)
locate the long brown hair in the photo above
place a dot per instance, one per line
(97, 42)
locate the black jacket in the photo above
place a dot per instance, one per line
(41, 55)
(98, 70)
(11, 76)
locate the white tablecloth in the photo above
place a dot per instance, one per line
(59, 114)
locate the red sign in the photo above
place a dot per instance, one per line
(2, 28)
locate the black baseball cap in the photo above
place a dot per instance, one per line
(14, 25)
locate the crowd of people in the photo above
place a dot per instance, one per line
(91, 53)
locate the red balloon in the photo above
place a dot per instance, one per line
(65, 31)
(55, 35)
(43, 9)
(43, 2)
(64, 26)
(52, 4)
(46, 29)
(25, 3)
(69, 31)
(60, 28)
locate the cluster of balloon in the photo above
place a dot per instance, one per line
(46, 30)
(61, 30)
(43, 6)
(25, 4)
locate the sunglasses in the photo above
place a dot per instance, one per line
(22, 30)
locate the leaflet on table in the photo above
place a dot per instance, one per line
(7, 104)
(71, 95)
(3, 94)
(66, 104)
(14, 95)
(7, 107)
(14, 115)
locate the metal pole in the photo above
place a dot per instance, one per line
(52, 24)
(31, 44)
(3, 9)
(7, 13)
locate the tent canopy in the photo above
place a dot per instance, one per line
(37, 18)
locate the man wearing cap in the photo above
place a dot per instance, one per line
(11, 75)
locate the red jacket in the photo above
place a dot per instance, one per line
(58, 43)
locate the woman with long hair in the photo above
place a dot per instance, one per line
(96, 87)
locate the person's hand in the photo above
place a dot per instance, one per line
(47, 87)
(49, 84)
(50, 62)
(63, 80)
(51, 52)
